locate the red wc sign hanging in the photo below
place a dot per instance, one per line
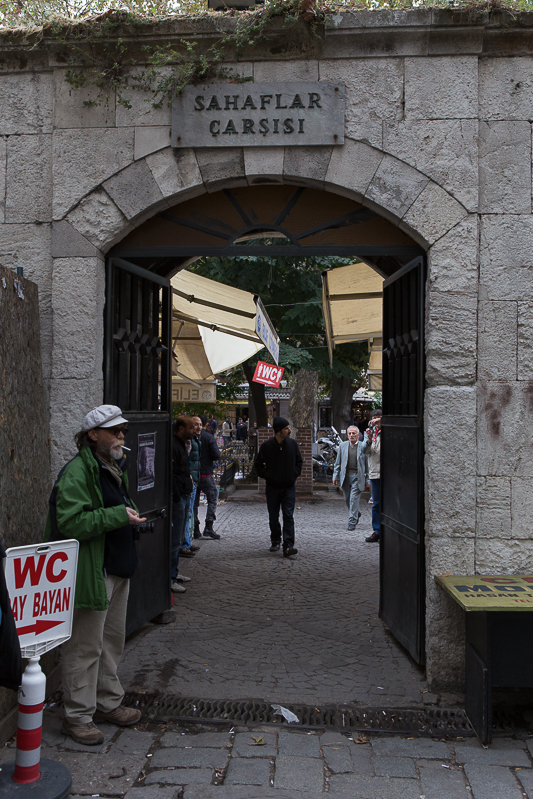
(268, 374)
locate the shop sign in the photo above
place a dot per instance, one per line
(259, 115)
(184, 391)
(489, 592)
(265, 331)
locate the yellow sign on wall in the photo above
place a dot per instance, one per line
(491, 592)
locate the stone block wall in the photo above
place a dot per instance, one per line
(438, 140)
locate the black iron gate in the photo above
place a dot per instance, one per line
(137, 379)
(402, 583)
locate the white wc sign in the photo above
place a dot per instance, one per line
(41, 580)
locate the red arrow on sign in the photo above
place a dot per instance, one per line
(38, 628)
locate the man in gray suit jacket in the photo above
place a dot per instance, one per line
(351, 473)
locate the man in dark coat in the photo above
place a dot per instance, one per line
(279, 462)
(182, 486)
(209, 452)
(11, 661)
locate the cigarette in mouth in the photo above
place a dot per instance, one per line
(127, 448)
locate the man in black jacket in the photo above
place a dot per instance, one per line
(181, 490)
(279, 462)
(209, 452)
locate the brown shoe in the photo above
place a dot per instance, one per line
(88, 734)
(122, 716)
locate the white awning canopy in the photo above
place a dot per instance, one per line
(213, 326)
(352, 304)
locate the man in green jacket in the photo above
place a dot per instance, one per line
(90, 502)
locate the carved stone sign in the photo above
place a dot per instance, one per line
(258, 115)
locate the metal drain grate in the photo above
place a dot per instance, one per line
(437, 721)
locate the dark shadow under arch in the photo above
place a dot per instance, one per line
(314, 222)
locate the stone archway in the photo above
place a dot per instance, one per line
(404, 196)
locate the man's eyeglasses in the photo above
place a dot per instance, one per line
(116, 430)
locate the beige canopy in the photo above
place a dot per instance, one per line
(352, 303)
(213, 326)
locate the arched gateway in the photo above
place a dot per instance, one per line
(313, 222)
(435, 164)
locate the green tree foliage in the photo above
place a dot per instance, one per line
(291, 291)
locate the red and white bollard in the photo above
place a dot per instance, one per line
(29, 777)
(32, 694)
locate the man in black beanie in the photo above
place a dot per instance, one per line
(279, 462)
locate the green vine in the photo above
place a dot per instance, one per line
(102, 53)
(106, 61)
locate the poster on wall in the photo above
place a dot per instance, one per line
(146, 461)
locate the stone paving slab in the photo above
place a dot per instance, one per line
(367, 787)
(104, 774)
(526, 779)
(202, 739)
(293, 743)
(492, 781)
(244, 744)
(181, 776)
(152, 792)
(439, 781)
(492, 756)
(395, 767)
(301, 773)
(242, 771)
(179, 757)
(411, 747)
(337, 758)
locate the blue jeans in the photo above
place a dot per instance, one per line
(189, 526)
(284, 499)
(375, 488)
(179, 519)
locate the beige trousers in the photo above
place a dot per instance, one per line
(91, 656)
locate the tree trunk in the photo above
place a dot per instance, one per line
(302, 404)
(341, 401)
(257, 390)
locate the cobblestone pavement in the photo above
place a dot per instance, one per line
(253, 624)
(171, 761)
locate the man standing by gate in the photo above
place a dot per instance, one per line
(372, 447)
(279, 462)
(209, 452)
(350, 472)
(90, 502)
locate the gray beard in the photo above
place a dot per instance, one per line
(114, 452)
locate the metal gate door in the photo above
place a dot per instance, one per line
(402, 568)
(137, 379)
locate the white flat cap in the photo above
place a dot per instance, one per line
(103, 416)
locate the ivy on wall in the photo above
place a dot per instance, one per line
(102, 47)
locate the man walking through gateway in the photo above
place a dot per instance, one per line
(279, 463)
(90, 502)
(350, 472)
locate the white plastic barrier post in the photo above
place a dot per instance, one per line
(30, 723)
